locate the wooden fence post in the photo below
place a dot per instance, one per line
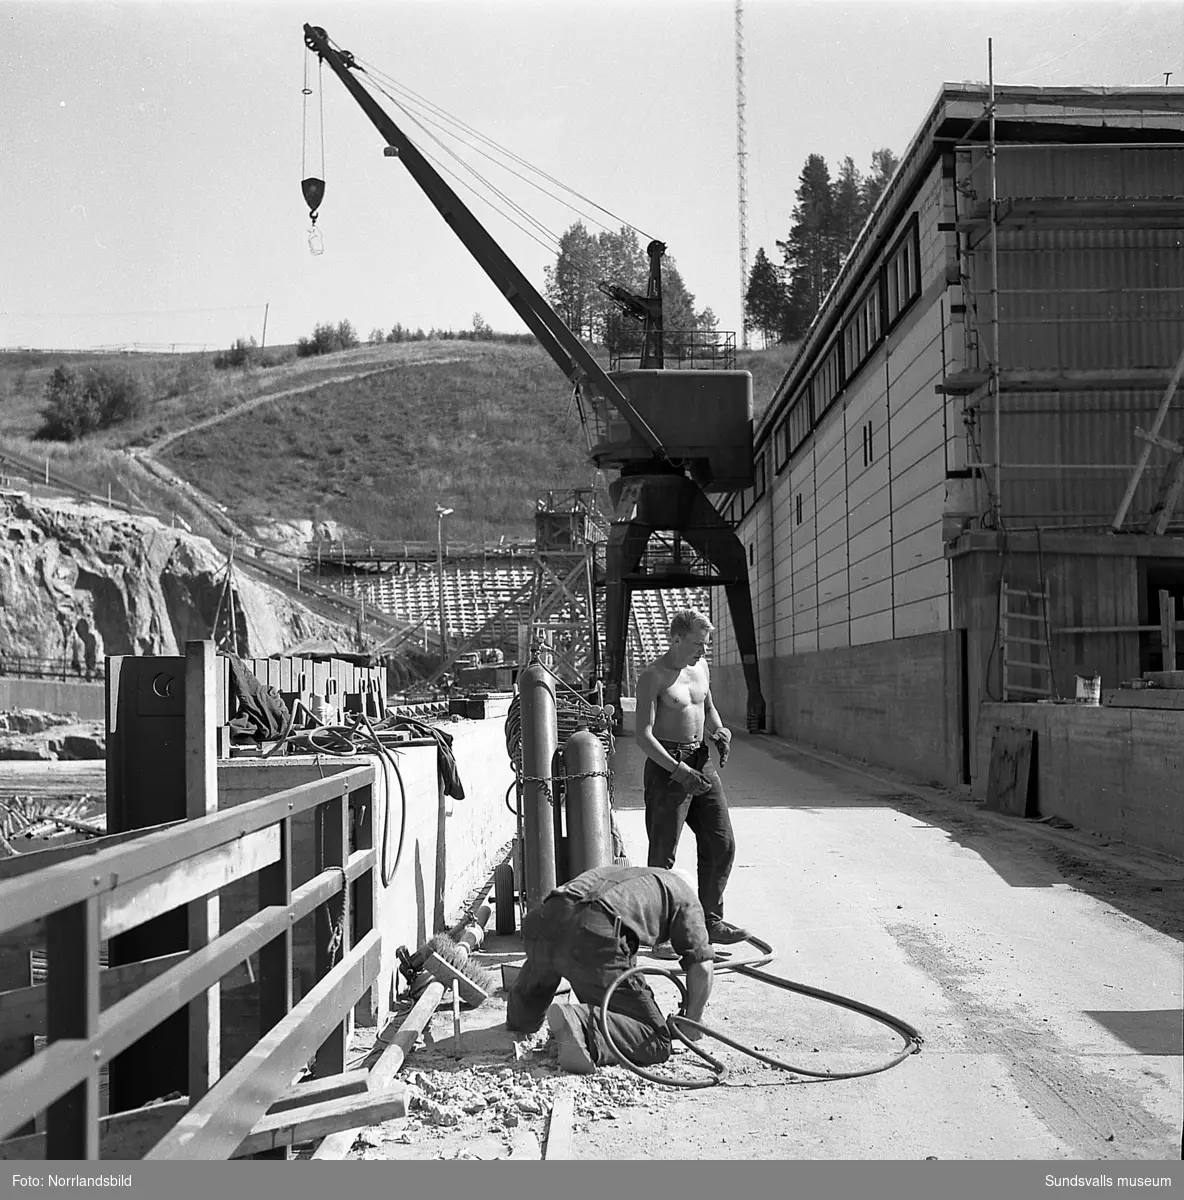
(72, 1011)
(364, 900)
(332, 821)
(201, 799)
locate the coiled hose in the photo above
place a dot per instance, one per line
(676, 1022)
(344, 741)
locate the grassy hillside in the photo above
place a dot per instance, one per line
(372, 438)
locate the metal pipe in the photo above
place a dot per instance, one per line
(994, 366)
(540, 739)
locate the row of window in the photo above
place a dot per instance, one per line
(896, 285)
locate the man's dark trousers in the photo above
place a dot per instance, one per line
(584, 944)
(668, 807)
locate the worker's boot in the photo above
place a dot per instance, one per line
(571, 1038)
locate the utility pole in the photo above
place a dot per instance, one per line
(742, 171)
(441, 513)
(263, 344)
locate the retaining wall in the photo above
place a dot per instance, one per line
(56, 696)
(894, 704)
(1113, 771)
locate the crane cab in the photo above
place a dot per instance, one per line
(701, 417)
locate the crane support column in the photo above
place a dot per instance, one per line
(540, 739)
(675, 502)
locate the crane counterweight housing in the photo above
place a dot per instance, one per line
(703, 418)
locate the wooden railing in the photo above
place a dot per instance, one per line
(90, 1015)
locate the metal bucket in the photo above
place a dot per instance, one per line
(1089, 689)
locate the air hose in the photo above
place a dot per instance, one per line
(676, 1022)
(342, 741)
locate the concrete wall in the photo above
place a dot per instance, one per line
(449, 848)
(1113, 771)
(56, 696)
(894, 704)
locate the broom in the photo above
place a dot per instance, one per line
(448, 962)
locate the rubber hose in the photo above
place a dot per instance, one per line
(911, 1036)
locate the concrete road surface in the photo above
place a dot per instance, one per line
(1042, 967)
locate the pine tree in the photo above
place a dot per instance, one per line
(884, 164)
(765, 299)
(848, 208)
(810, 250)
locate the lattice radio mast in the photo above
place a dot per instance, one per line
(741, 171)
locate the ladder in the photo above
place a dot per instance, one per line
(1029, 676)
(1165, 505)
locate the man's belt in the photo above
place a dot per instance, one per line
(681, 746)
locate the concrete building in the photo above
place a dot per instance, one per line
(940, 470)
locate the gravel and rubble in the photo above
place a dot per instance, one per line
(495, 1101)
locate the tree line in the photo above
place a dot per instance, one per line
(783, 298)
(585, 260)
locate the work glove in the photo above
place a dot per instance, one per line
(690, 780)
(723, 743)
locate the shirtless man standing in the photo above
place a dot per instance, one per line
(675, 720)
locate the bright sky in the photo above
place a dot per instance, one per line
(151, 154)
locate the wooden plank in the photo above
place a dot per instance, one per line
(125, 1135)
(1144, 698)
(318, 1091)
(195, 877)
(201, 799)
(559, 1127)
(72, 1012)
(217, 1124)
(23, 900)
(314, 1121)
(1009, 776)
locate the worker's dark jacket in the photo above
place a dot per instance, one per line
(588, 932)
(656, 904)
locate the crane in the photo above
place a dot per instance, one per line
(672, 434)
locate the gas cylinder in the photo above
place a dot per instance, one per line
(589, 824)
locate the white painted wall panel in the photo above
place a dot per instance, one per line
(922, 582)
(869, 600)
(875, 628)
(924, 616)
(920, 513)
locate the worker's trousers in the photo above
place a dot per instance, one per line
(668, 807)
(582, 943)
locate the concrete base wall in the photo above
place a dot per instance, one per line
(1113, 771)
(449, 848)
(894, 704)
(50, 695)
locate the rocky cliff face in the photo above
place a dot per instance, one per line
(80, 581)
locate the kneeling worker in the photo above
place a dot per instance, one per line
(588, 932)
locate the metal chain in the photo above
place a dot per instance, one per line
(338, 934)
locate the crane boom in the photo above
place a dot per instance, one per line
(568, 352)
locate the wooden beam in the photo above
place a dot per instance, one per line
(201, 799)
(1167, 628)
(132, 1134)
(559, 1127)
(216, 1125)
(72, 1012)
(131, 905)
(318, 1091)
(315, 1121)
